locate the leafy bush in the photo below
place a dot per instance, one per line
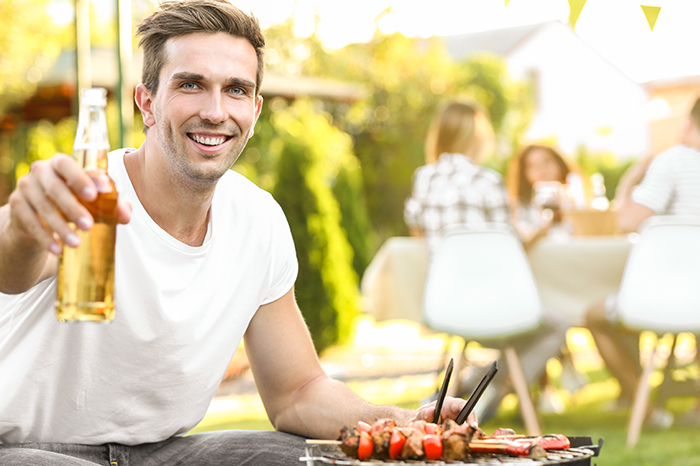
(310, 154)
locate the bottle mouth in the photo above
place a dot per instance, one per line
(94, 96)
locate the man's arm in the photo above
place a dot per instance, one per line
(629, 214)
(298, 395)
(37, 217)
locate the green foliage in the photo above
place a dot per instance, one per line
(43, 139)
(28, 43)
(310, 154)
(607, 164)
(349, 192)
(510, 104)
(406, 79)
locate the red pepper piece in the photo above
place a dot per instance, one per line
(554, 442)
(365, 447)
(432, 444)
(398, 439)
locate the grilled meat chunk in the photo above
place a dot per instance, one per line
(381, 436)
(350, 438)
(413, 448)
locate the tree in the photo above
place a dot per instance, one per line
(510, 104)
(310, 153)
(29, 41)
(407, 79)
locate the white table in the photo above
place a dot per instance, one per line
(571, 273)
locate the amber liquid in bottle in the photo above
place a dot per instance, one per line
(86, 274)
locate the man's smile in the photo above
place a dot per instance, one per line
(208, 140)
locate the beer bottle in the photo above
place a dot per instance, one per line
(86, 273)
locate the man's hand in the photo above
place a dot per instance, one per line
(45, 202)
(629, 214)
(451, 408)
(632, 177)
(36, 220)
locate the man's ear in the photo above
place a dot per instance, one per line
(258, 109)
(144, 100)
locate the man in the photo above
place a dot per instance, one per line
(667, 184)
(203, 259)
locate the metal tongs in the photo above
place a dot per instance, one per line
(473, 398)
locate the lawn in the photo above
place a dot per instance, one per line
(584, 414)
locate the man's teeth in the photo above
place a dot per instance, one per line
(208, 141)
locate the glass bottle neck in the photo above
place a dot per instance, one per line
(91, 141)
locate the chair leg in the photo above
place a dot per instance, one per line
(527, 408)
(641, 401)
(668, 386)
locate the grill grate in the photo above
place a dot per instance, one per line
(321, 454)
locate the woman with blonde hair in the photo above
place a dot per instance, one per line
(452, 188)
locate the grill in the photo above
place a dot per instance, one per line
(579, 454)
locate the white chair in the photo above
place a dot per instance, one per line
(480, 287)
(660, 292)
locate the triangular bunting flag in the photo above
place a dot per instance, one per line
(575, 7)
(652, 13)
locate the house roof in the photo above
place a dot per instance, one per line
(497, 41)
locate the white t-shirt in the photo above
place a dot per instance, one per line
(671, 184)
(181, 312)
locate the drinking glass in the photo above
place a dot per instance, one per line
(548, 197)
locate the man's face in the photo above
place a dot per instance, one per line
(206, 104)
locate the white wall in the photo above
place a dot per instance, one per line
(582, 98)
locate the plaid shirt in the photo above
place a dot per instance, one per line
(453, 191)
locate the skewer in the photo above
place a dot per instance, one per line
(548, 441)
(310, 441)
(532, 450)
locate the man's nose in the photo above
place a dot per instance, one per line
(213, 109)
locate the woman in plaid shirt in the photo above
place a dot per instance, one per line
(453, 189)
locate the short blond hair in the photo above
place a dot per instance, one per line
(460, 127)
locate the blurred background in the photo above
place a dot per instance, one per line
(348, 93)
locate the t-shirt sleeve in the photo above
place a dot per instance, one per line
(656, 188)
(284, 265)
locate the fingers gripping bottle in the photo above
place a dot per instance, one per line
(86, 273)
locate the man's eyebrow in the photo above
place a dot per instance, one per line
(187, 76)
(241, 82)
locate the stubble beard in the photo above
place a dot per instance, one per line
(188, 172)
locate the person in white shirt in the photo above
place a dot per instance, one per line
(203, 259)
(665, 184)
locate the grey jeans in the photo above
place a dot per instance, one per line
(228, 447)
